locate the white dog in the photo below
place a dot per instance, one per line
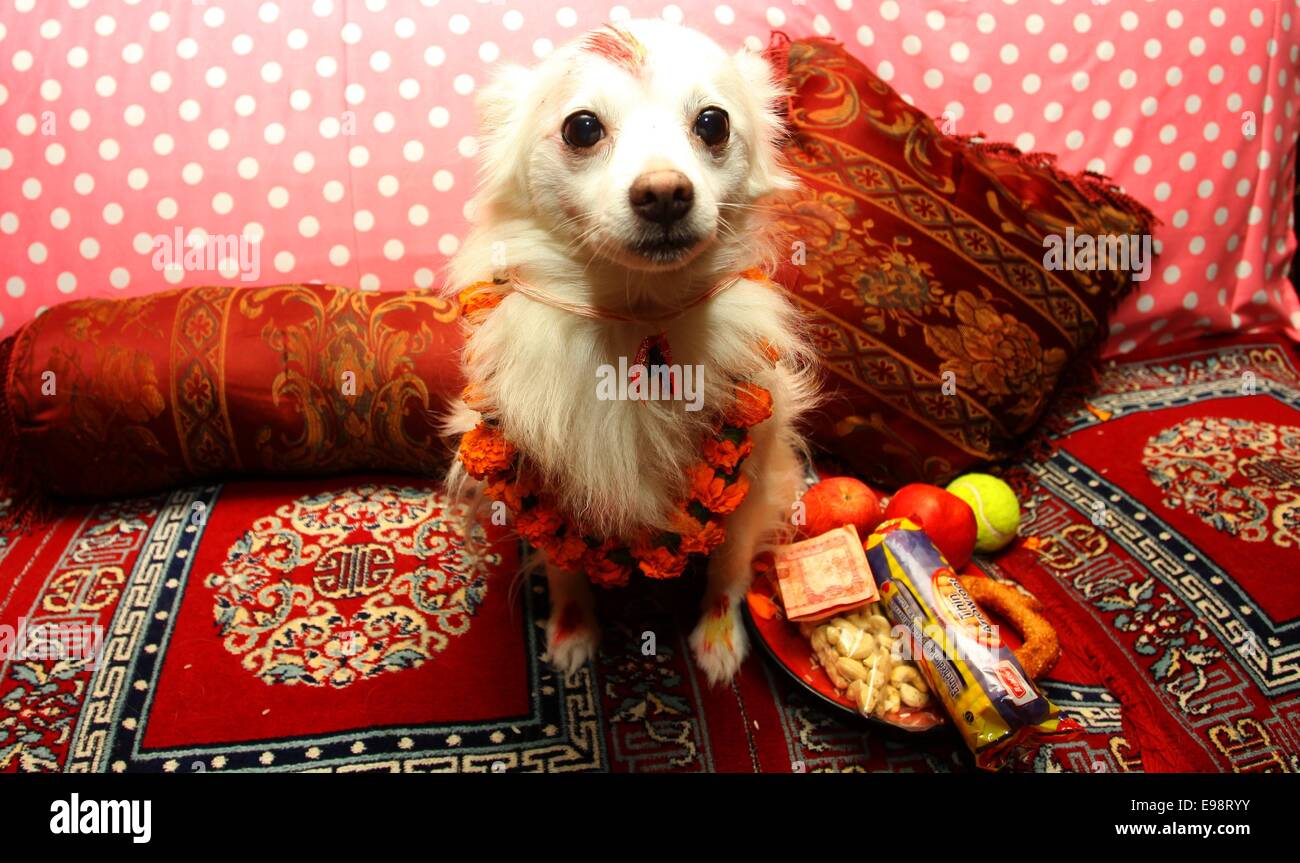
(618, 200)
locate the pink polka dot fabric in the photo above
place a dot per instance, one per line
(339, 136)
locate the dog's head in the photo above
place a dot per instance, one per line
(640, 145)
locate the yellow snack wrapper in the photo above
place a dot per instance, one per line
(991, 700)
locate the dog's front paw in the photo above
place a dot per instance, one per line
(571, 637)
(719, 642)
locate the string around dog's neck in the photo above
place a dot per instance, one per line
(594, 312)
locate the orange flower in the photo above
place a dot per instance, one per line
(540, 525)
(603, 571)
(484, 450)
(697, 537)
(512, 492)
(567, 551)
(713, 491)
(659, 562)
(725, 455)
(479, 297)
(753, 405)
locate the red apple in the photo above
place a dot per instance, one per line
(838, 501)
(946, 519)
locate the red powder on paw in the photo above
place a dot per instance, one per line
(569, 621)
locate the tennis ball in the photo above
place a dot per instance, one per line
(997, 512)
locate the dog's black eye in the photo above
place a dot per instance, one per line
(712, 126)
(582, 129)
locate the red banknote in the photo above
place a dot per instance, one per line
(824, 576)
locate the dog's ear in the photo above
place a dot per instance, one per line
(502, 107)
(767, 173)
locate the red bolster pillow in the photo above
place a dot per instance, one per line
(109, 397)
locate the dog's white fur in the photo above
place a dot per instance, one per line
(562, 219)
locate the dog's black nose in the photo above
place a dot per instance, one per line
(662, 196)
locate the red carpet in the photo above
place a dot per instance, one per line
(342, 624)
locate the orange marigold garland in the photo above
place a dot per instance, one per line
(715, 488)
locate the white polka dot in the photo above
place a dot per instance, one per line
(277, 197)
(358, 156)
(283, 261)
(15, 287)
(363, 220)
(388, 185)
(89, 248)
(192, 173)
(448, 244)
(339, 255)
(418, 215)
(443, 180)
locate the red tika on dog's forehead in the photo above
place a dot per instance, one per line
(618, 47)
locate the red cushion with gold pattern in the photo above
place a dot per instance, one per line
(111, 397)
(919, 259)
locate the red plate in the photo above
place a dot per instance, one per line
(787, 647)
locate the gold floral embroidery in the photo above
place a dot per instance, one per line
(997, 354)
